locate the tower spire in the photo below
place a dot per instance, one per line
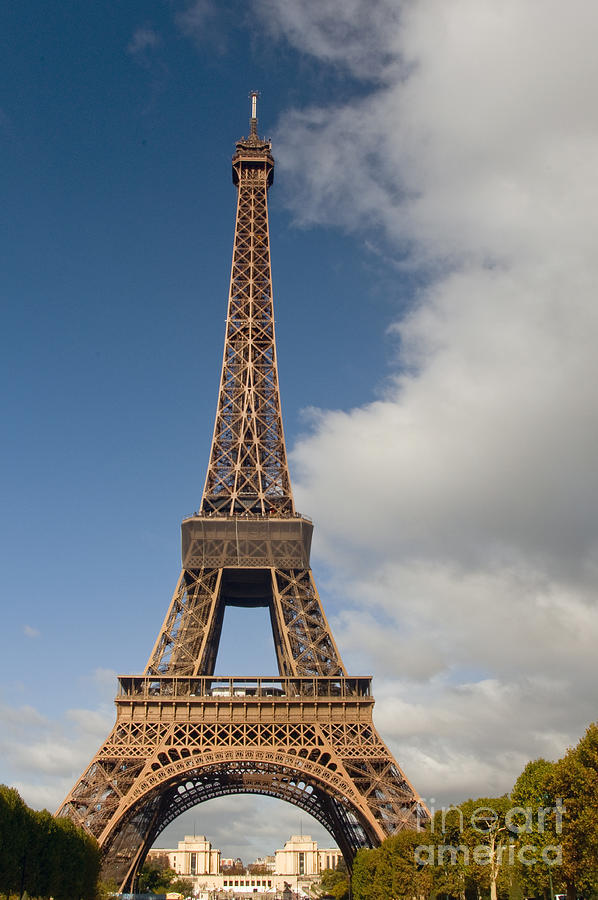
(253, 120)
(248, 473)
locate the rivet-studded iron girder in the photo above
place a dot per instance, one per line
(189, 638)
(184, 735)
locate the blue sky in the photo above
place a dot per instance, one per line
(117, 240)
(432, 223)
(118, 124)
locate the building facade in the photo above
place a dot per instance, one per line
(266, 862)
(193, 856)
(298, 866)
(300, 856)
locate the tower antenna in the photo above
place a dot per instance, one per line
(253, 95)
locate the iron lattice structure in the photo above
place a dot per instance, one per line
(184, 735)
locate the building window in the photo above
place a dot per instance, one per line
(193, 863)
(302, 863)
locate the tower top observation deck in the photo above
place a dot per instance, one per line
(253, 152)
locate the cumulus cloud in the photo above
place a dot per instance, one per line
(361, 39)
(42, 757)
(458, 512)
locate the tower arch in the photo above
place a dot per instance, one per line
(194, 781)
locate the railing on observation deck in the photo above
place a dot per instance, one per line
(271, 514)
(213, 687)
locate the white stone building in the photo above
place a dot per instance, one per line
(297, 865)
(300, 856)
(193, 856)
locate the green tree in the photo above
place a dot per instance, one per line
(91, 866)
(400, 872)
(42, 856)
(182, 886)
(535, 817)
(574, 780)
(486, 834)
(449, 854)
(395, 869)
(14, 832)
(155, 878)
(336, 883)
(363, 882)
(67, 850)
(106, 890)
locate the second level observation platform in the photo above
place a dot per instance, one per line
(249, 542)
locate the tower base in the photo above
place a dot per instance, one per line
(181, 740)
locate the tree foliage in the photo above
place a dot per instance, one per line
(258, 869)
(574, 779)
(540, 840)
(334, 882)
(533, 795)
(156, 877)
(183, 886)
(237, 868)
(365, 870)
(44, 856)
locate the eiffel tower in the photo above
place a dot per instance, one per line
(182, 734)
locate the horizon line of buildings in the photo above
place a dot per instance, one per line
(296, 866)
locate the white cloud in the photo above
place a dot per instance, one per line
(42, 758)
(30, 632)
(246, 826)
(361, 38)
(22, 717)
(144, 38)
(193, 19)
(458, 512)
(42, 796)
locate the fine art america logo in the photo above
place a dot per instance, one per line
(502, 836)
